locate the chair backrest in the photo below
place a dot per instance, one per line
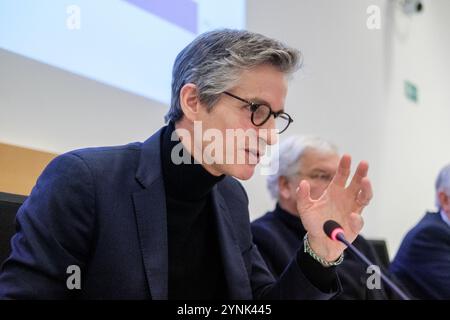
(381, 250)
(9, 204)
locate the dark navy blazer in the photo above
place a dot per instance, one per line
(423, 261)
(104, 210)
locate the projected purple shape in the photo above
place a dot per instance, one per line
(183, 13)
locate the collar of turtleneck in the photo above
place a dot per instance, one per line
(185, 181)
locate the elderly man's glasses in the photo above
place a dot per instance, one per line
(320, 176)
(261, 114)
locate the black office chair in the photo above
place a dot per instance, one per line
(9, 204)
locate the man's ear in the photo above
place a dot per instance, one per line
(283, 187)
(444, 201)
(189, 101)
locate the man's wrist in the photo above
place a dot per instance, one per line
(324, 259)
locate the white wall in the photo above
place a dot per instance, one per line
(339, 94)
(416, 139)
(50, 109)
(350, 91)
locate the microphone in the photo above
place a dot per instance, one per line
(335, 232)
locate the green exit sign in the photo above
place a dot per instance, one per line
(411, 91)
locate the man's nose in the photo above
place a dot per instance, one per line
(272, 137)
(269, 135)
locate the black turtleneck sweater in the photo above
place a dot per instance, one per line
(195, 266)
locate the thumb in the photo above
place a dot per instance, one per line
(356, 222)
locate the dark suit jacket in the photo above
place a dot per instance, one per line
(278, 234)
(423, 259)
(104, 210)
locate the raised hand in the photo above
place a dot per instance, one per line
(338, 202)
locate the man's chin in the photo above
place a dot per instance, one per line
(244, 172)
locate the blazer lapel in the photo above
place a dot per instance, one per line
(151, 217)
(234, 268)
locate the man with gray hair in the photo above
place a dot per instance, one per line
(279, 233)
(167, 219)
(422, 262)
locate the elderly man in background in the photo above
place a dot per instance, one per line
(280, 232)
(423, 260)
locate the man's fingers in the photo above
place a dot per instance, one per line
(365, 194)
(303, 195)
(343, 171)
(361, 172)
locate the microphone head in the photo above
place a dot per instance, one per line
(332, 229)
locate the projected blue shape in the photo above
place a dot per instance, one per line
(117, 43)
(183, 13)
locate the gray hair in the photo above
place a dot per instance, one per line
(215, 60)
(443, 183)
(290, 152)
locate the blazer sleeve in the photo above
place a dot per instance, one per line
(293, 284)
(53, 231)
(263, 241)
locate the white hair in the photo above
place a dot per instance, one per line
(290, 152)
(443, 183)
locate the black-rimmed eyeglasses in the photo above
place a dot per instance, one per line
(261, 113)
